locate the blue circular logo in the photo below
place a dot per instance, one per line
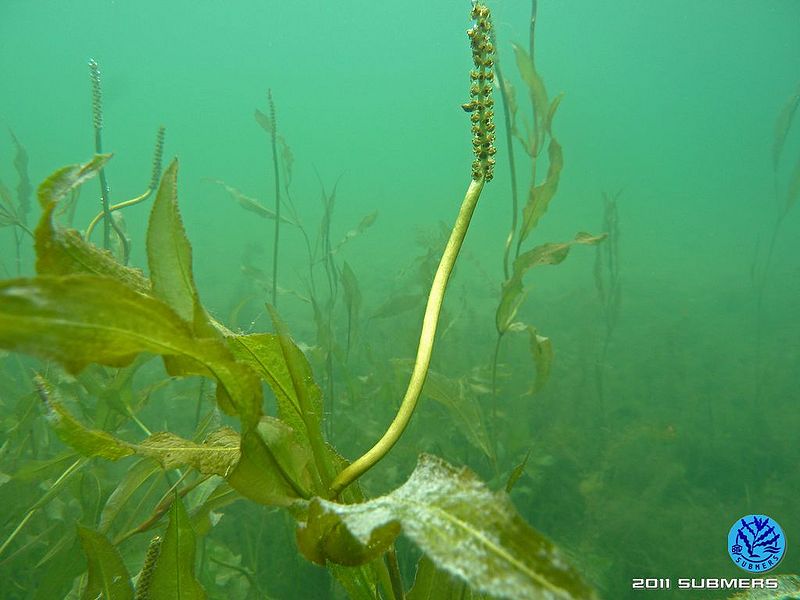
(756, 543)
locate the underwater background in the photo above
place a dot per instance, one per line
(664, 418)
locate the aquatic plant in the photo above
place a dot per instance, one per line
(608, 284)
(84, 309)
(109, 223)
(15, 208)
(785, 196)
(536, 135)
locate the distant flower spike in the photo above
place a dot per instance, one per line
(481, 104)
(97, 94)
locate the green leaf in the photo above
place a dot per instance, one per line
(540, 196)
(309, 399)
(65, 252)
(262, 352)
(782, 126)
(217, 455)
(396, 305)
(352, 301)
(251, 204)
(793, 191)
(516, 473)
(324, 537)
(513, 292)
(456, 396)
(362, 226)
(169, 255)
(23, 181)
(431, 583)
(8, 211)
(89, 442)
(264, 121)
(61, 568)
(201, 517)
(173, 576)
(83, 319)
(551, 113)
(271, 470)
(542, 352)
(134, 478)
(266, 355)
(536, 88)
(360, 583)
(108, 577)
(463, 527)
(68, 178)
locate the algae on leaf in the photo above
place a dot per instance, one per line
(465, 528)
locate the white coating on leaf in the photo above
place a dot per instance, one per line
(469, 531)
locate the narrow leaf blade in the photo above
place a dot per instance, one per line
(108, 577)
(173, 576)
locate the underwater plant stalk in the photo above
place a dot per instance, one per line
(105, 192)
(481, 112)
(424, 350)
(394, 573)
(277, 201)
(154, 179)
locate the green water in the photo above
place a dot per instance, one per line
(641, 457)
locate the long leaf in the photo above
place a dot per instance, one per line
(64, 251)
(542, 352)
(169, 255)
(69, 178)
(782, 126)
(464, 528)
(173, 576)
(217, 455)
(456, 397)
(108, 577)
(134, 478)
(83, 319)
(530, 76)
(431, 583)
(513, 292)
(541, 195)
(89, 442)
(793, 191)
(23, 180)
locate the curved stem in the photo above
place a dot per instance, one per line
(118, 206)
(425, 348)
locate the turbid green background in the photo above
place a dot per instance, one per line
(672, 102)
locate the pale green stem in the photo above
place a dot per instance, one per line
(424, 350)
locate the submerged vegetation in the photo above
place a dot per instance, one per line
(155, 449)
(89, 313)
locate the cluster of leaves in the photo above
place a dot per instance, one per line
(85, 308)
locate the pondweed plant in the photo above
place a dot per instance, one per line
(109, 222)
(786, 192)
(609, 288)
(534, 136)
(85, 308)
(15, 207)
